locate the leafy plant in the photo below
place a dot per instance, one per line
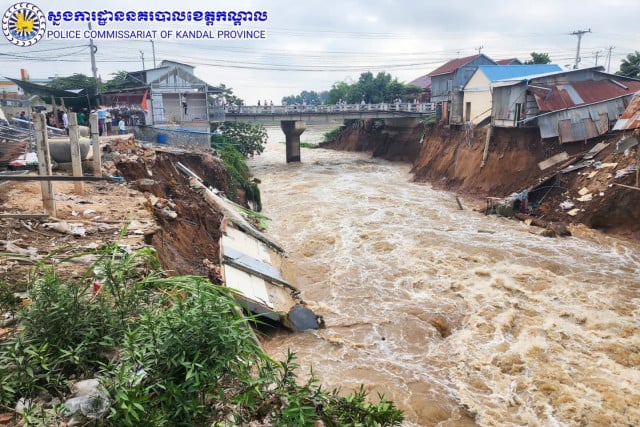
(239, 176)
(168, 351)
(333, 134)
(248, 138)
(308, 145)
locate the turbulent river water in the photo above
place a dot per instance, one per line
(461, 319)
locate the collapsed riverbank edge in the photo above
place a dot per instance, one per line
(478, 166)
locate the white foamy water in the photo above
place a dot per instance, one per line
(444, 310)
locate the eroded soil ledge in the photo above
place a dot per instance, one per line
(452, 159)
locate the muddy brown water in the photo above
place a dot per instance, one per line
(460, 318)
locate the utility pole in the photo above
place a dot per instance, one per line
(93, 49)
(479, 49)
(579, 33)
(153, 49)
(597, 54)
(94, 70)
(610, 48)
(142, 57)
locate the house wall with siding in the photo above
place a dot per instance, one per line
(478, 95)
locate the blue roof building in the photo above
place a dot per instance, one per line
(477, 98)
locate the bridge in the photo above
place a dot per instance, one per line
(293, 118)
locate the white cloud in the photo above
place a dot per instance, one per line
(312, 44)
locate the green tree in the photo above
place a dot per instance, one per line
(120, 80)
(310, 97)
(78, 81)
(339, 91)
(538, 58)
(630, 66)
(226, 96)
(248, 138)
(382, 87)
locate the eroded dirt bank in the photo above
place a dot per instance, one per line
(155, 200)
(452, 159)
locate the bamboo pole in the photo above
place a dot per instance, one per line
(638, 166)
(95, 144)
(44, 163)
(76, 156)
(487, 141)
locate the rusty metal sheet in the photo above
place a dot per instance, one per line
(603, 123)
(564, 96)
(590, 129)
(565, 131)
(630, 118)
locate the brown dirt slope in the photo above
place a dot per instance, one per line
(178, 223)
(452, 159)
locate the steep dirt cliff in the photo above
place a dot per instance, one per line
(476, 165)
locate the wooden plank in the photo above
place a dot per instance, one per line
(627, 186)
(55, 178)
(595, 150)
(76, 157)
(44, 162)
(24, 216)
(553, 160)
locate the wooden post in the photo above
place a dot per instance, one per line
(76, 156)
(44, 162)
(638, 165)
(95, 144)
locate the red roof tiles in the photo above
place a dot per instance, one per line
(452, 65)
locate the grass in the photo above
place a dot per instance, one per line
(167, 351)
(309, 145)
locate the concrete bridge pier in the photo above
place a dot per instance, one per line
(292, 130)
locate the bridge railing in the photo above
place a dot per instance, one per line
(425, 108)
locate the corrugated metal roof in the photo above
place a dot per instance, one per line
(452, 65)
(424, 82)
(564, 96)
(510, 61)
(630, 119)
(503, 72)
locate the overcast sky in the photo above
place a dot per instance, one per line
(311, 44)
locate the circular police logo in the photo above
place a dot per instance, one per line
(23, 24)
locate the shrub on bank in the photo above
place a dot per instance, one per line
(166, 351)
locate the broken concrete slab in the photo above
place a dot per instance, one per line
(595, 150)
(553, 160)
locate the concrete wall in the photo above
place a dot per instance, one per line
(476, 92)
(174, 136)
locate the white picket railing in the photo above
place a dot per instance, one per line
(329, 109)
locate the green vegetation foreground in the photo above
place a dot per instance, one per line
(166, 351)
